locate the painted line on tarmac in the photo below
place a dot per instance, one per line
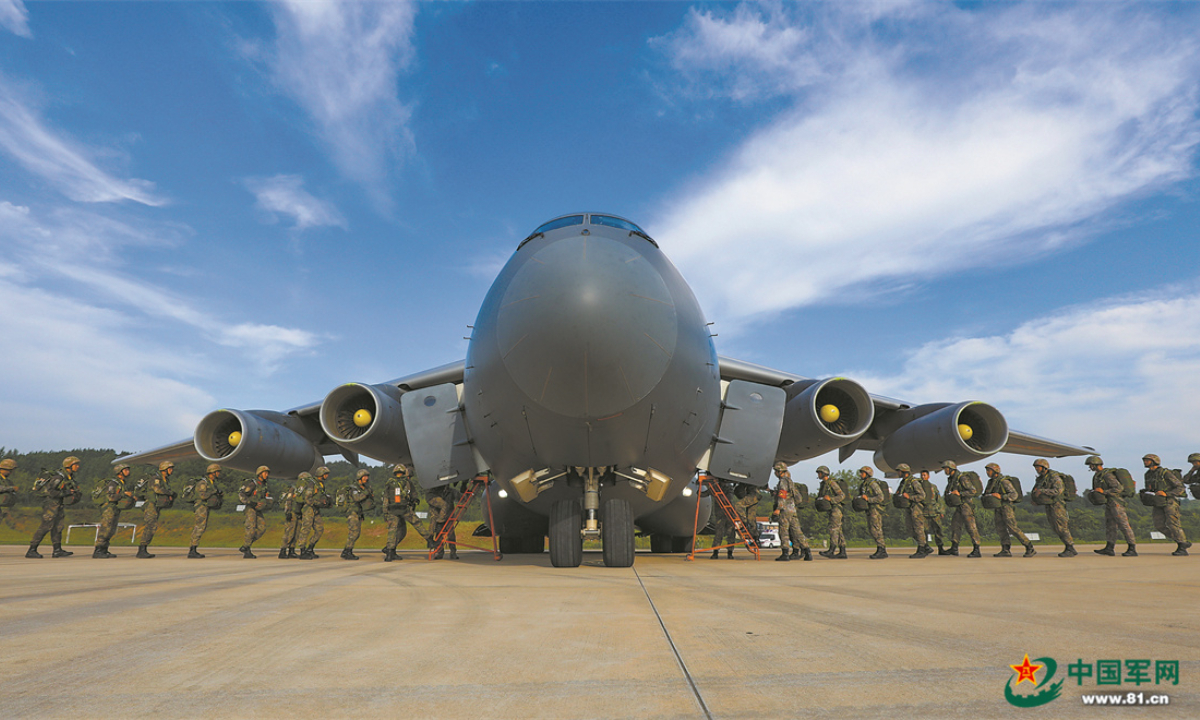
(678, 658)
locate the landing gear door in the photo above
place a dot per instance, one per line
(748, 434)
(437, 436)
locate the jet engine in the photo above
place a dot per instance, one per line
(824, 416)
(367, 419)
(245, 439)
(931, 434)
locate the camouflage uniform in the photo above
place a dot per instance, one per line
(1049, 486)
(1115, 517)
(964, 514)
(253, 494)
(1004, 517)
(914, 514)
(60, 487)
(723, 530)
(158, 495)
(935, 506)
(786, 496)
(747, 506)
(293, 510)
(110, 515)
(1166, 518)
(870, 489)
(311, 524)
(7, 492)
(441, 505)
(206, 490)
(398, 513)
(832, 489)
(359, 499)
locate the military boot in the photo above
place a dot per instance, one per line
(1005, 551)
(1182, 549)
(942, 550)
(194, 553)
(1131, 551)
(828, 552)
(246, 554)
(716, 554)
(927, 551)
(292, 554)
(729, 553)
(920, 553)
(105, 552)
(312, 553)
(32, 552)
(283, 553)
(143, 553)
(784, 557)
(953, 549)
(1108, 549)
(453, 552)
(841, 553)
(350, 554)
(1068, 551)
(807, 554)
(59, 552)
(389, 554)
(795, 553)
(879, 554)
(975, 552)
(1029, 551)
(98, 552)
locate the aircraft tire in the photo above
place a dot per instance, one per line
(616, 533)
(681, 543)
(660, 543)
(566, 540)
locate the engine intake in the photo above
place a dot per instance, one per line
(245, 439)
(379, 433)
(824, 416)
(964, 432)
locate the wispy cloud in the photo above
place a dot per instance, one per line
(15, 18)
(901, 159)
(285, 195)
(341, 61)
(29, 140)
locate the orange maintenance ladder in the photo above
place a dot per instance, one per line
(480, 482)
(722, 500)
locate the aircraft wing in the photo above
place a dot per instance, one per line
(186, 449)
(886, 410)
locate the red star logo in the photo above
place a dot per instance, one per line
(1025, 671)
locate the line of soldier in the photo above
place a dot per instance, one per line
(302, 505)
(923, 507)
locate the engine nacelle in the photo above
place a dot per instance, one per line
(378, 434)
(807, 433)
(964, 433)
(245, 439)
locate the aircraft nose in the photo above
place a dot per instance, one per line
(587, 327)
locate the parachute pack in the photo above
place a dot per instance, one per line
(1070, 492)
(342, 498)
(189, 491)
(99, 496)
(1128, 486)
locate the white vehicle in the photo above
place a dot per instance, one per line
(768, 534)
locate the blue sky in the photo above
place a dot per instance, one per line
(245, 205)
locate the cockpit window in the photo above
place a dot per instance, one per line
(616, 222)
(561, 222)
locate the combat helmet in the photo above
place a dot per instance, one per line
(1093, 460)
(400, 469)
(781, 467)
(70, 460)
(904, 468)
(949, 465)
(165, 465)
(1153, 458)
(304, 476)
(8, 464)
(121, 467)
(262, 469)
(1194, 457)
(322, 471)
(1042, 463)
(212, 468)
(362, 474)
(992, 466)
(823, 470)
(867, 469)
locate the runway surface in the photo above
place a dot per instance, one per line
(933, 638)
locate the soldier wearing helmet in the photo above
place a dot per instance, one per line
(1193, 475)
(401, 507)
(316, 498)
(158, 496)
(207, 496)
(1109, 488)
(911, 489)
(8, 493)
(359, 498)
(869, 490)
(724, 533)
(1161, 481)
(1002, 488)
(832, 493)
(935, 507)
(60, 489)
(1049, 490)
(255, 497)
(441, 504)
(293, 510)
(786, 496)
(113, 495)
(963, 491)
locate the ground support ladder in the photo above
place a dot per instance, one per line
(722, 500)
(480, 482)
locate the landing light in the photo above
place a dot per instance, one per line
(830, 413)
(503, 493)
(362, 417)
(235, 438)
(687, 492)
(965, 432)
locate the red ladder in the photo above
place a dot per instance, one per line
(714, 489)
(442, 539)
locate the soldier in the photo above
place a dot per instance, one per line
(1192, 477)
(254, 496)
(359, 499)
(914, 515)
(1049, 490)
(311, 524)
(747, 506)
(59, 490)
(207, 494)
(1162, 481)
(869, 490)
(293, 510)
(441, 503)
(935, 506)
(7, 492)
(110, 511)
(1108, 484)
(723, 531)
(785, 514)
(401, 507)
(831, 490)
(156, 498)
(964, 514)
(1001, 487)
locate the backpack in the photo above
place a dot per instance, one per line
(1069, 490)
(189, 492)
(99, 497)
(887, 492)
(933, 499)
(845, 490)
(1016, 486)
(142, 487)
(342, 498)
(970, 485)
(802, 499)
(41, 486)
(1128, 486)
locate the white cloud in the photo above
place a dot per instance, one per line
(28, 139)
(903, 159)
(285, 195)
(15, 18)
(341, 61)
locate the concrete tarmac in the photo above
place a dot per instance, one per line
(896, 638)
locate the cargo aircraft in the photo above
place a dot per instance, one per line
(593, 394)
